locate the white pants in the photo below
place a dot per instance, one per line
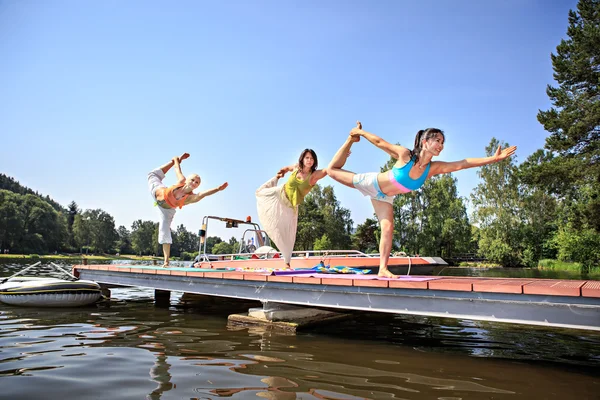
(277, 216)
(155, 179)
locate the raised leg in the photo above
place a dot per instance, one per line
(342, 176)
(339, 159)
(165, 168)
(337, 162)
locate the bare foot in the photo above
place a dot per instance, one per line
(386, 274)
(287, 266)
(354, 134)
(165, 265)
(184, 156)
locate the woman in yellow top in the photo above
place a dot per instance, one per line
(278, 205)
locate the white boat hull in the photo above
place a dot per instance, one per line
(49, 292)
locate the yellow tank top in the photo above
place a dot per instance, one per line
(296, 189)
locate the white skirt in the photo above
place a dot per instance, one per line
(277, 216)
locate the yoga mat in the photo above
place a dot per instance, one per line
(314, 274)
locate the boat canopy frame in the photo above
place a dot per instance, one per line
(261, 235)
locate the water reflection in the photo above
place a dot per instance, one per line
(190, 352)
(133, 350)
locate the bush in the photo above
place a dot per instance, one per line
(187, 256)
(582, 246)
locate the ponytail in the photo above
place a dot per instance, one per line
(423, 134)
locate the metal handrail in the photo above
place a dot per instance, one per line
(21, 271)
(64, 271)
(350, 253)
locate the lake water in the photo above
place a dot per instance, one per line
(131, 349)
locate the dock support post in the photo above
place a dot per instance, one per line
(105, 291)
(162, 298)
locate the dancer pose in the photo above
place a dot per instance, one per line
(409, 173)
(278, 205)
(170, 198)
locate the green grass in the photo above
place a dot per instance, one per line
(564, 266)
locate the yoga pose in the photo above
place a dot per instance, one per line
(170, 198)
(409, 173)
(278, 205)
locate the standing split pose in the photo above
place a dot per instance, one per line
(170, 198)
(278, 205)
(409, 173)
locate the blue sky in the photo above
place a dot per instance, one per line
(94, 94)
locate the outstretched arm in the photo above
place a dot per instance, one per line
(317, 175)
(285, 170)
(393, 150)
(441, 167)
(194, 198)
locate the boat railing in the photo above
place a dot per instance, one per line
(37, 264)
(20, 272)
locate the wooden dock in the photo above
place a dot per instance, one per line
(573, 304)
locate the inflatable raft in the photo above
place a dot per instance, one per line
(49, 292)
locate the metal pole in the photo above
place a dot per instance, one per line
(21, 271)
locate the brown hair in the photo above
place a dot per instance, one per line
(424, 134)
(301, 160)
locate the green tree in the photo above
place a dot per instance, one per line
(581, 245)
(572, 170)
(235, 244)
(321, 214)
(14, 186)
(311, 222)
(72, 211)
(82, 232)
(496, 202)
(12, 218)
(103, 232)
(41, 226)
(124, 242)
(222, 248)
(366, 237)
(143, 237)
(445, 229)
(211, 241)
(323, 243)
(539, 214)
(187, 241)
(95, 228)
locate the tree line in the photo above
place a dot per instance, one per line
(546, 207)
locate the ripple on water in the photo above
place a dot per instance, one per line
(133, 350)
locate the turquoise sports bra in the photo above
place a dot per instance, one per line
(400, 178)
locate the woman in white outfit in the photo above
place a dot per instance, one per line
(170, 198)
(278, 205)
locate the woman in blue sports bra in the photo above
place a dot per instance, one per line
(409, 173)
